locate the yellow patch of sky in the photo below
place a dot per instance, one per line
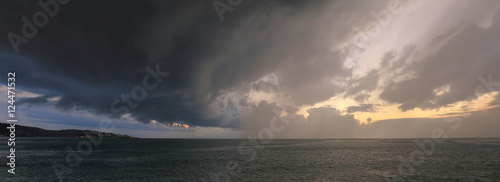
(391, 111)
(181, 125)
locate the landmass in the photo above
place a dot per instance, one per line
(27, 131)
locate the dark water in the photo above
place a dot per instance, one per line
(280, 160)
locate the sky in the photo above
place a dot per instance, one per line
(268, 69)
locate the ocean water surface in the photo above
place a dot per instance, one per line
(40, 159)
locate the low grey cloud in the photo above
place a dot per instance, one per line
(361, 108)
(41, 100)
(327, 122)
(495, 102)
(361, 98)
(322, 122)
(482, 124)
(367, 83)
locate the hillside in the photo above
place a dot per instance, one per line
(27, 131)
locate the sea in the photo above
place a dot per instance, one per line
(88, 159)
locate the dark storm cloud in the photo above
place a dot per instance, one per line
(473, 52)
(92, 52)
(88, 55)
(361, 108)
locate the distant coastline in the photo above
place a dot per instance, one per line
(27, 131)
